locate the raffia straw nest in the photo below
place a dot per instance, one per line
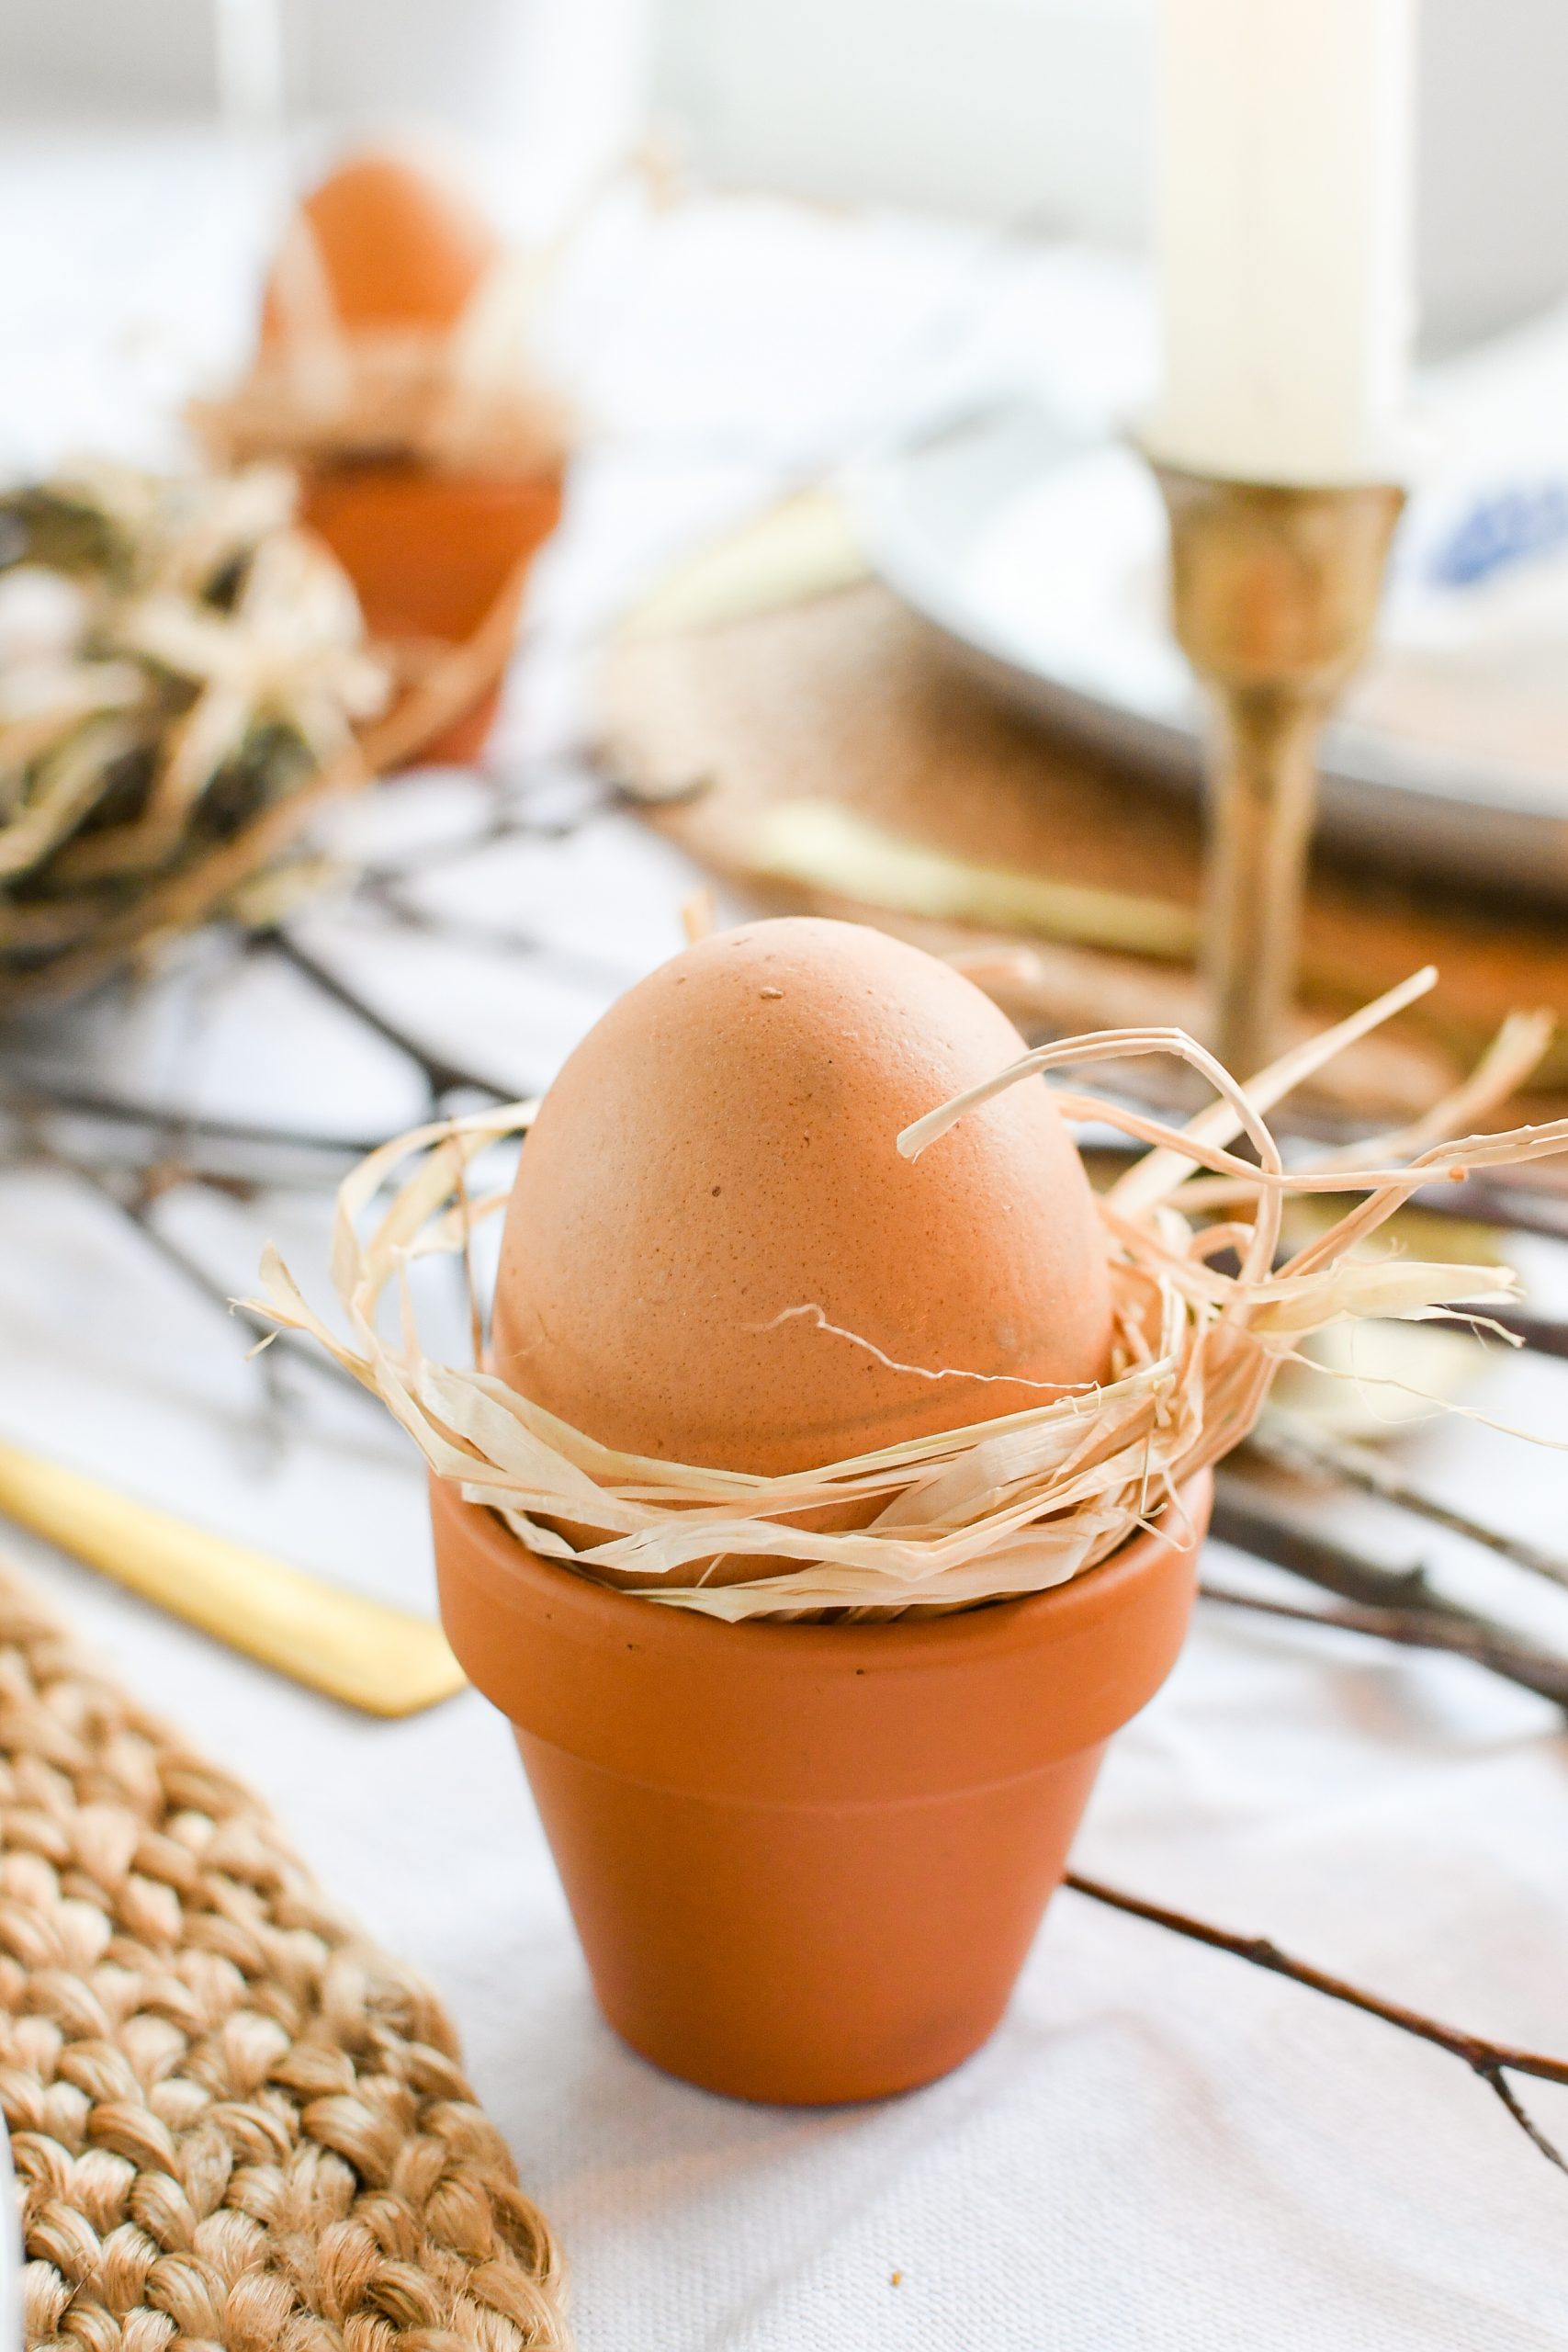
(1003, 1507)
(183, 677)
(463, 399)
(185, 680)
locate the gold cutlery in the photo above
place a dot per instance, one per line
(388, 1661)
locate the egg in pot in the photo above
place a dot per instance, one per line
(400, 246)
(715, 1253)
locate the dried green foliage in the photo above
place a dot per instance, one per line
(180, 673)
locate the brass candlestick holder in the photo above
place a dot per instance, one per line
(1274, 594)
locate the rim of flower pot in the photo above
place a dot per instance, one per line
(776, 1711)
(419, 479)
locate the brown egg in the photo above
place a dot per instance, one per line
(715, 1253)
(401, 245)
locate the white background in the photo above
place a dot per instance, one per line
(1002, 109)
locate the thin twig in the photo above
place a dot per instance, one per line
(1412, 1629)
(507, 823)
(1492, 2061)
(232, 1180)
(171, 1161)
(388, 896)
(389, 899)
(442, 1075)
(35, 1090)
(1518, 1207)
(1297, 1447)
(136, 1214)
(1248, 1519)
(1245, 1518)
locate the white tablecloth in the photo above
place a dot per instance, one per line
(1161, 2147)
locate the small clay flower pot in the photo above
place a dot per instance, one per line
(430, 555)
(806, 1860)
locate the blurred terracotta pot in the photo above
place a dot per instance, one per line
(806, 1862)
(433, 557)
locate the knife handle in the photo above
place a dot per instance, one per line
(387, 1661)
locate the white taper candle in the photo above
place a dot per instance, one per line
(1284, 204)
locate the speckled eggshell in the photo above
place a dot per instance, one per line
(401, 245)
(713, 1181)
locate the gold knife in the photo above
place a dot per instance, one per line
(388, 1661)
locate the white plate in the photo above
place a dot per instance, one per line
(1040, 555)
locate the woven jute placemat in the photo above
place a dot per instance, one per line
(234, 2122)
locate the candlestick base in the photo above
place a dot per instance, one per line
(1274, 594)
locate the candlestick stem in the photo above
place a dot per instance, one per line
(1274, 594)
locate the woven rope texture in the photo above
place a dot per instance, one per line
(234, 2122)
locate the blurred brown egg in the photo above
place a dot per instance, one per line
(715, 1253)
(401, 244)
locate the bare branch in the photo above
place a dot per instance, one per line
(1412, 1629)
(1296, 1445)
(137, 1213)
(392, 900)
(1492, 2061)
(442, 1075)
(36, 1090)
(1244, 1517)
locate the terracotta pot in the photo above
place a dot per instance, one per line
(430, 554)
(806, 1862)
